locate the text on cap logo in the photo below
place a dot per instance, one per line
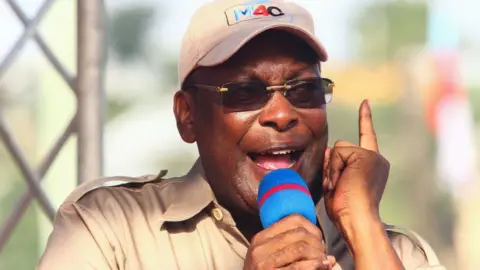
(252, 11)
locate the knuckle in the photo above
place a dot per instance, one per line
(373, 156)
(271, 261)
(317, 232)
(294, 221)
(308, 265)
(382, 160)
(387, 164)
(344, 143)
(301, 232)
(301, 247)
(297, 249)
(339, 143)
(296, 218)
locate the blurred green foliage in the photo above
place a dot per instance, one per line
(170, 67)
(385, 28)
(127, 29)
(117, 107)
(474, 97)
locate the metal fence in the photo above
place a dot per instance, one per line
(88, 121)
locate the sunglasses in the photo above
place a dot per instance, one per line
(306, 93)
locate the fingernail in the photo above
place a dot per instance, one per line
(368, 104)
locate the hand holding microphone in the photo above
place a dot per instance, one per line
(291, 239)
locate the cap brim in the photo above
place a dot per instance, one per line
(230, 45)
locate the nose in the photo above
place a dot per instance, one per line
(279, 114)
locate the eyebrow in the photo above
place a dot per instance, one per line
(249, 75)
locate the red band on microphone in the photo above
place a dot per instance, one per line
(280, 188)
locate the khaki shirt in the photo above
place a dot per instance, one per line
(153, 223)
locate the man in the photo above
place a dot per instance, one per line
(253, 100)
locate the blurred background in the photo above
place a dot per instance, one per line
(417, 61)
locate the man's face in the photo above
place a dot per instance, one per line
(238, 148)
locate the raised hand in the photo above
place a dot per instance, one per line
(355, 176)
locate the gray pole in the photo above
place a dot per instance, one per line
(90, 89)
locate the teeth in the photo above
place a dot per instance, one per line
(271, 167)
(282, 152)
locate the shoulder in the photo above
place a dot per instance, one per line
(122, 194)
(412, 249)
(100, 217)
(156, 197)
(113, 183)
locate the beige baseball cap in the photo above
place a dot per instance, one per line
(218, 29)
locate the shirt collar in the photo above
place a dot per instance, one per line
(189, 195)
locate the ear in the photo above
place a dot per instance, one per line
(183, 108)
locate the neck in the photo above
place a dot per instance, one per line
(248, 224)
(316, 190)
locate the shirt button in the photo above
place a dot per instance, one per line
(217, 214)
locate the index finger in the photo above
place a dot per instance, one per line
(367, 136)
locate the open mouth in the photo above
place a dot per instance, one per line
(276, 159)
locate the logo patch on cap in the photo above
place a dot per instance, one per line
(255, 10)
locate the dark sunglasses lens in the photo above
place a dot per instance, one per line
(309, 93)
(244, 96)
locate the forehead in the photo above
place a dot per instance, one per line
(275, 54)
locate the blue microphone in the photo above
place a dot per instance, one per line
(281, 193)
